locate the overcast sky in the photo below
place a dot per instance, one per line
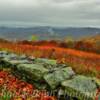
(50, 12)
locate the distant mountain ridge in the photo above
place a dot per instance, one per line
(46, 32)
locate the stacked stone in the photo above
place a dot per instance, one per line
(47, 74)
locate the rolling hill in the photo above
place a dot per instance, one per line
(46, 33)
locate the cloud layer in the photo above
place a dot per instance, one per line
(50, 12)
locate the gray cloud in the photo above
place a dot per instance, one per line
(50, 12)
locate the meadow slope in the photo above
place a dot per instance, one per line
(82, 62)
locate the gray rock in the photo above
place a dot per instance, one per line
(23, 57)
(3, 54)
(81, 87)
(32, 71)
(46, 73)
(55, 78)
(45, 61)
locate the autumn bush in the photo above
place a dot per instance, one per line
(78, 45)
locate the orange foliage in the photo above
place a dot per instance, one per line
(20, 89)
(85, 60)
